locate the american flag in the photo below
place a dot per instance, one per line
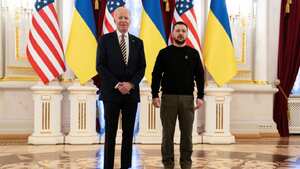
(184, 11)
(108, 20)
(44, 49)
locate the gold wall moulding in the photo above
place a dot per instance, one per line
(242, 58)
(32, 78)
(256, 82)
(16, 68)
(242, 82)
(244, 72)
(19, 57)
(261, 82)
(16, 78)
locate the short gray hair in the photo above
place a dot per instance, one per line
(122, 8)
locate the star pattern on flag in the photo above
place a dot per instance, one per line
(183, 6)
(112, 5)
(39, 4)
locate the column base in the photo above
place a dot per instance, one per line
(197, 139)
(59, 139)
(102, 139)
(218, 139)
(82, 139)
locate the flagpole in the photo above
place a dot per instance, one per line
(66, 13)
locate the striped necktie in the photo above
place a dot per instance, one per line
(123, 49)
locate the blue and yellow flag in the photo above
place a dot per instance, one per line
(82, 45)
(219, 54)
(152, 33)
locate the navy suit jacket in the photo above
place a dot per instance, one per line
(112, 68)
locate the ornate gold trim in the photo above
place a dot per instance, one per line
(288, 6)
(67, 80)
(18, 33)
(17, 40)
(20, 68)
(244, 71)
(97, 5)
(242, 82)
(4, 79)
(261, 82)
(33, 78)
(242, 59)
(237, 81)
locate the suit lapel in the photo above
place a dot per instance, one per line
(117, 44)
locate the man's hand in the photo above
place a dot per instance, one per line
(123, 90)
(124, 87)
(128, 86)
(156, 102)
(199, 103)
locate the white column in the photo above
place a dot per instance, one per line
(1, 39)
(150, 125)
(83, 114)
(217, 118)
(273, 37)
(47, 114)
(261, 47)
(65, 14)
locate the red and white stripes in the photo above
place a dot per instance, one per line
(189, 18)
(108, 22)
(45, 49)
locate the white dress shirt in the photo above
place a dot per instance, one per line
(126, 36)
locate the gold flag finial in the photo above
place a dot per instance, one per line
(288, 6)
(96, 4)
(167, 5)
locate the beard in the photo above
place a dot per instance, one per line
(179, 42)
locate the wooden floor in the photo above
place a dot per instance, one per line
(273, 153)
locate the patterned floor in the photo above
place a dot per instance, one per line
(245, 154)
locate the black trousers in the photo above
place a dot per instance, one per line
(112, 113)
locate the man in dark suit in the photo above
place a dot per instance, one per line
(121, 65)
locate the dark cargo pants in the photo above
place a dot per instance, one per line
(173, 106)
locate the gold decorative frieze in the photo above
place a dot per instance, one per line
(82, 114)
(21, 69)
(151, 117)
(46, 116)
(242, 82)
(219, 116)
(16, 78)
(261, 82)
(120, 121)
(244, 73)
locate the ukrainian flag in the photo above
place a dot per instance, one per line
(152, 32)
(82, 45)
(218, 47)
